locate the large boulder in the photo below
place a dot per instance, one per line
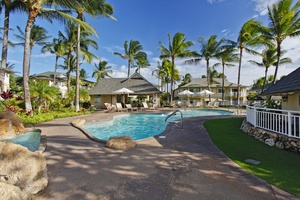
(10, 124)
(22, 168)
(9, 192)
(78, 122)
(123, 142)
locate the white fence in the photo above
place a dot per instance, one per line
(285, 122)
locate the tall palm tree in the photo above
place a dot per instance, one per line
(69, 41)
(227, 57)
(9, 6)
(58, 48)
(210, 48)
(133, 51)
(283, 23)
(177, 48)
(187, 78)
(160, 73)
(101, 70)
(38, 36)
(249, 36)
(97, 8)
(142, 61)
(269, 58)
(34, 9)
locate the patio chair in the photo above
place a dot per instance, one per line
(120, 107)
(130, 108)
(216, 104)
(147, 107)
(109, 107)
(209, 104)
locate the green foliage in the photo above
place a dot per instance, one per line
(43, 117)
(277, 166)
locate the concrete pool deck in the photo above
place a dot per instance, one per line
(184, 165)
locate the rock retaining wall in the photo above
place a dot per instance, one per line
(271, 138)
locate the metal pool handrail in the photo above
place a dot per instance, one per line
(174, 113)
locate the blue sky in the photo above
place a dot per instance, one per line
(150, 22)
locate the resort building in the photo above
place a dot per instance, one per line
(200, 84)
(289, 89)
(61, 80)
(142, 90)
(4, 79)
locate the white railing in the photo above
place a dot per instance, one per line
(285, 122)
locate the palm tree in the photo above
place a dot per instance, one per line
(227, 57)
(83, 74)
(69, 65)
(34, 9)
(177, 48)
(69, 41)
(133, 51)
(58, 48)
(97, 8)
(9, 6)
(210, 48)
(101, 70)
(269, 58)
(160, 73)
(142, 61)
(43, 92)
(283, 23)
(187, 78)
(38, 36)
(249, 36)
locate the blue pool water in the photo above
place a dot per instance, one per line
(30, 140)
(140, 126)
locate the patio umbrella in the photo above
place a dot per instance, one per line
(186, 93)
(123, 91)
(205, 92)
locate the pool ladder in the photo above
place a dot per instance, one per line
(174, 113)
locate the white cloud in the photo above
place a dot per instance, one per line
(261, 6)
(213, 1)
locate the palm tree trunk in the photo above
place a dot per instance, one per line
(30, 22)
(278, 59)
(5, 39)
(128, 73)
(172, 77)
(69, 72)
(239, 77)
(265, 79)
(77, 70)
(223, 80)
(30, 54)
(55, 67)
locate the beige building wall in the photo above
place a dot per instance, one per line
(292, 102)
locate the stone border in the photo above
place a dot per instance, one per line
(88, 134)
(272, 139)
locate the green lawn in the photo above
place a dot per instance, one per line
(278, 167)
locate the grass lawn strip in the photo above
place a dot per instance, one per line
(278, 167)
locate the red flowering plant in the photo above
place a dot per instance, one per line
(6, 95)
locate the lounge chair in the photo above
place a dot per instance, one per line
(130, 108)
(199, 104)
(216, 104)
(209, 104)
(109, 107)
(147, 107)
(120, 107)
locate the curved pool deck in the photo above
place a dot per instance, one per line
(184, 165)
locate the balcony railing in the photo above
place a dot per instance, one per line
(285, 122)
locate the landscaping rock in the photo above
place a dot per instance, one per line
(78, 122)
(270, 142)
(22, 168)
(10, 124)
(123, 142)
(9, 192)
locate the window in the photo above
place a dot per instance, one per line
(234, 90)
(299, 100)
(97, 99)
(220, 90)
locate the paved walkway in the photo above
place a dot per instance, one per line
(185, 165)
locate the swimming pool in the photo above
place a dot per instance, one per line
(30, 140)
(141, 126)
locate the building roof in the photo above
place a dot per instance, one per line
(136, 83)
(50, 76)
(202, 82)
(289, 83)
